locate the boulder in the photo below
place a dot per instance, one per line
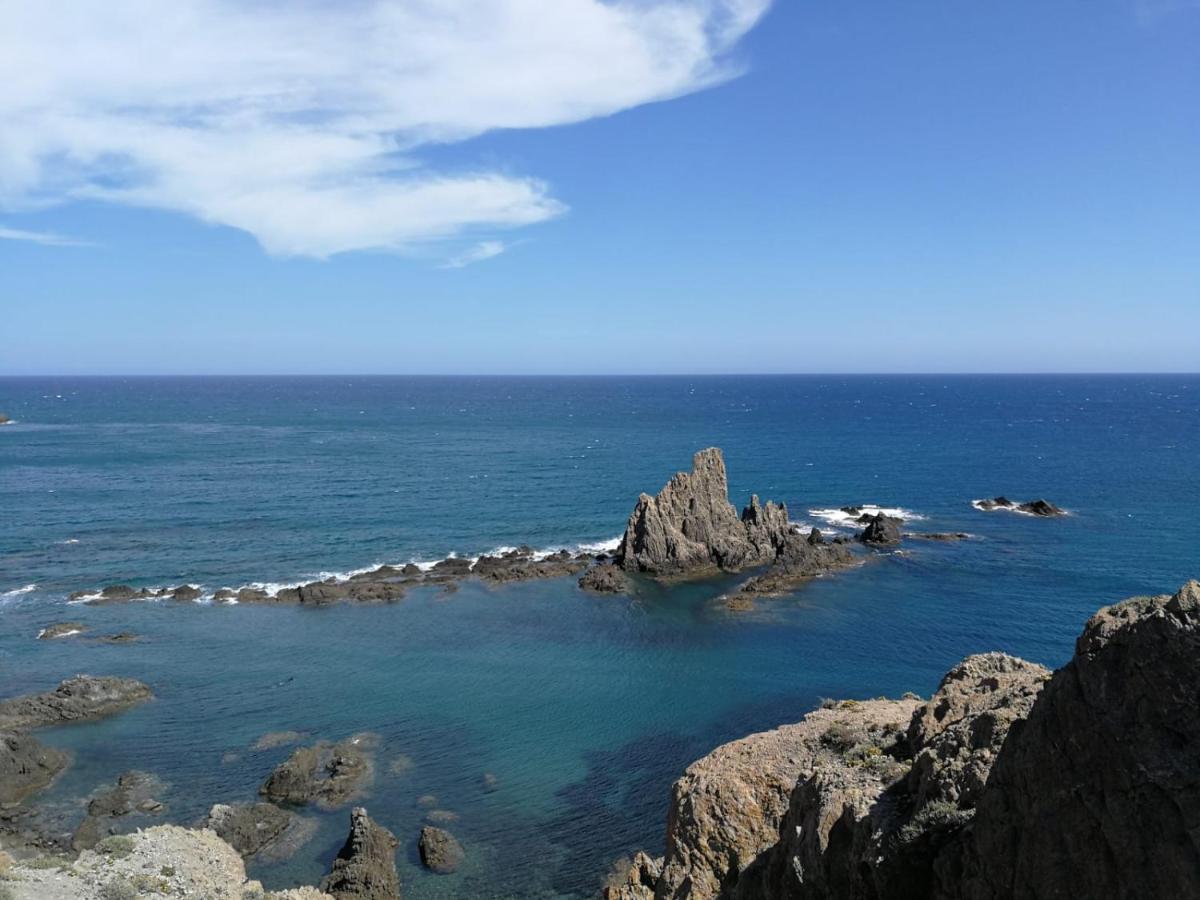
(1041, 508)
(881, 531)
(800, 559)
(365, 867)
(439, 850)
(79, 699)
(186, 592)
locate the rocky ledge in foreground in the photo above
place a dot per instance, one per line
(1043, 508)
(1009, 782)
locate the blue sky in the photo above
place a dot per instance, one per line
(691, 186)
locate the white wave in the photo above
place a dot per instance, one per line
(1013, 507)
(61, 634)
(272, 588)
(17, 592)
(68, 541)
(842, 519)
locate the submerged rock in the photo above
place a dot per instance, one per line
(26, 766)
(261, 829)
(134, 792)
(365, 867)
(440, 851)
(605, 578)
(328, 775)
(61, 630)
(79, 699)
(690, 526)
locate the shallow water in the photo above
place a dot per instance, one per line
(584, 708)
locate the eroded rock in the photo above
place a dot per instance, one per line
(328, 775)
(440, 851)
(79, 699)
(365, 867)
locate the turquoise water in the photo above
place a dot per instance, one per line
(584, 708)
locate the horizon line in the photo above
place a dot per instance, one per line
(859, 374)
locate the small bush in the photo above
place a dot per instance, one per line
(118, 889)
(45, 862)
(167, 871)
(118, 846)
(937, 815)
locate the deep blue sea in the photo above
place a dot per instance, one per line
(584, 708)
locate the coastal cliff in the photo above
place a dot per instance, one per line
(1010, 782)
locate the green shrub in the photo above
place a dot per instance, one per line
(118, 846)
(937, 815)
(118, 889)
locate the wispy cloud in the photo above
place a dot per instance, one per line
(48, 238)
(1150, 12)
(306, 124)
(481, 251)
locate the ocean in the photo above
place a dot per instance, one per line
(583, 708)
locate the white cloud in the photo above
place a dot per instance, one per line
(48, 238)
(481, 251)
(304, 123)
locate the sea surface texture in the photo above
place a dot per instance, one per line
(582, 708)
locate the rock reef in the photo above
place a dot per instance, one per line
(1009, 782)
(1043, 508)
(79, 699)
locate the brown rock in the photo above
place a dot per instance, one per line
(329, 775)
(79, 699)
(439, 850)
(365, 867)
(26, 766)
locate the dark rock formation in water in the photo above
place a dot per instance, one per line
(690, 526)
(1009, 782)
(79, 699)
(881, 531)
(26, 766)
(365, 867)
(440, 851)
(325, 774)
(605, 578)
(1043, 508)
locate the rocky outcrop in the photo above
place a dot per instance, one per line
(440, 851)
(1008, 782)
(365, 867)
(881, 531)
(327, 775)
(79, 699)
(262, 830)
(1097, 793)
(162, 861)
(605, 578)
(26, 766)
(690, 526)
